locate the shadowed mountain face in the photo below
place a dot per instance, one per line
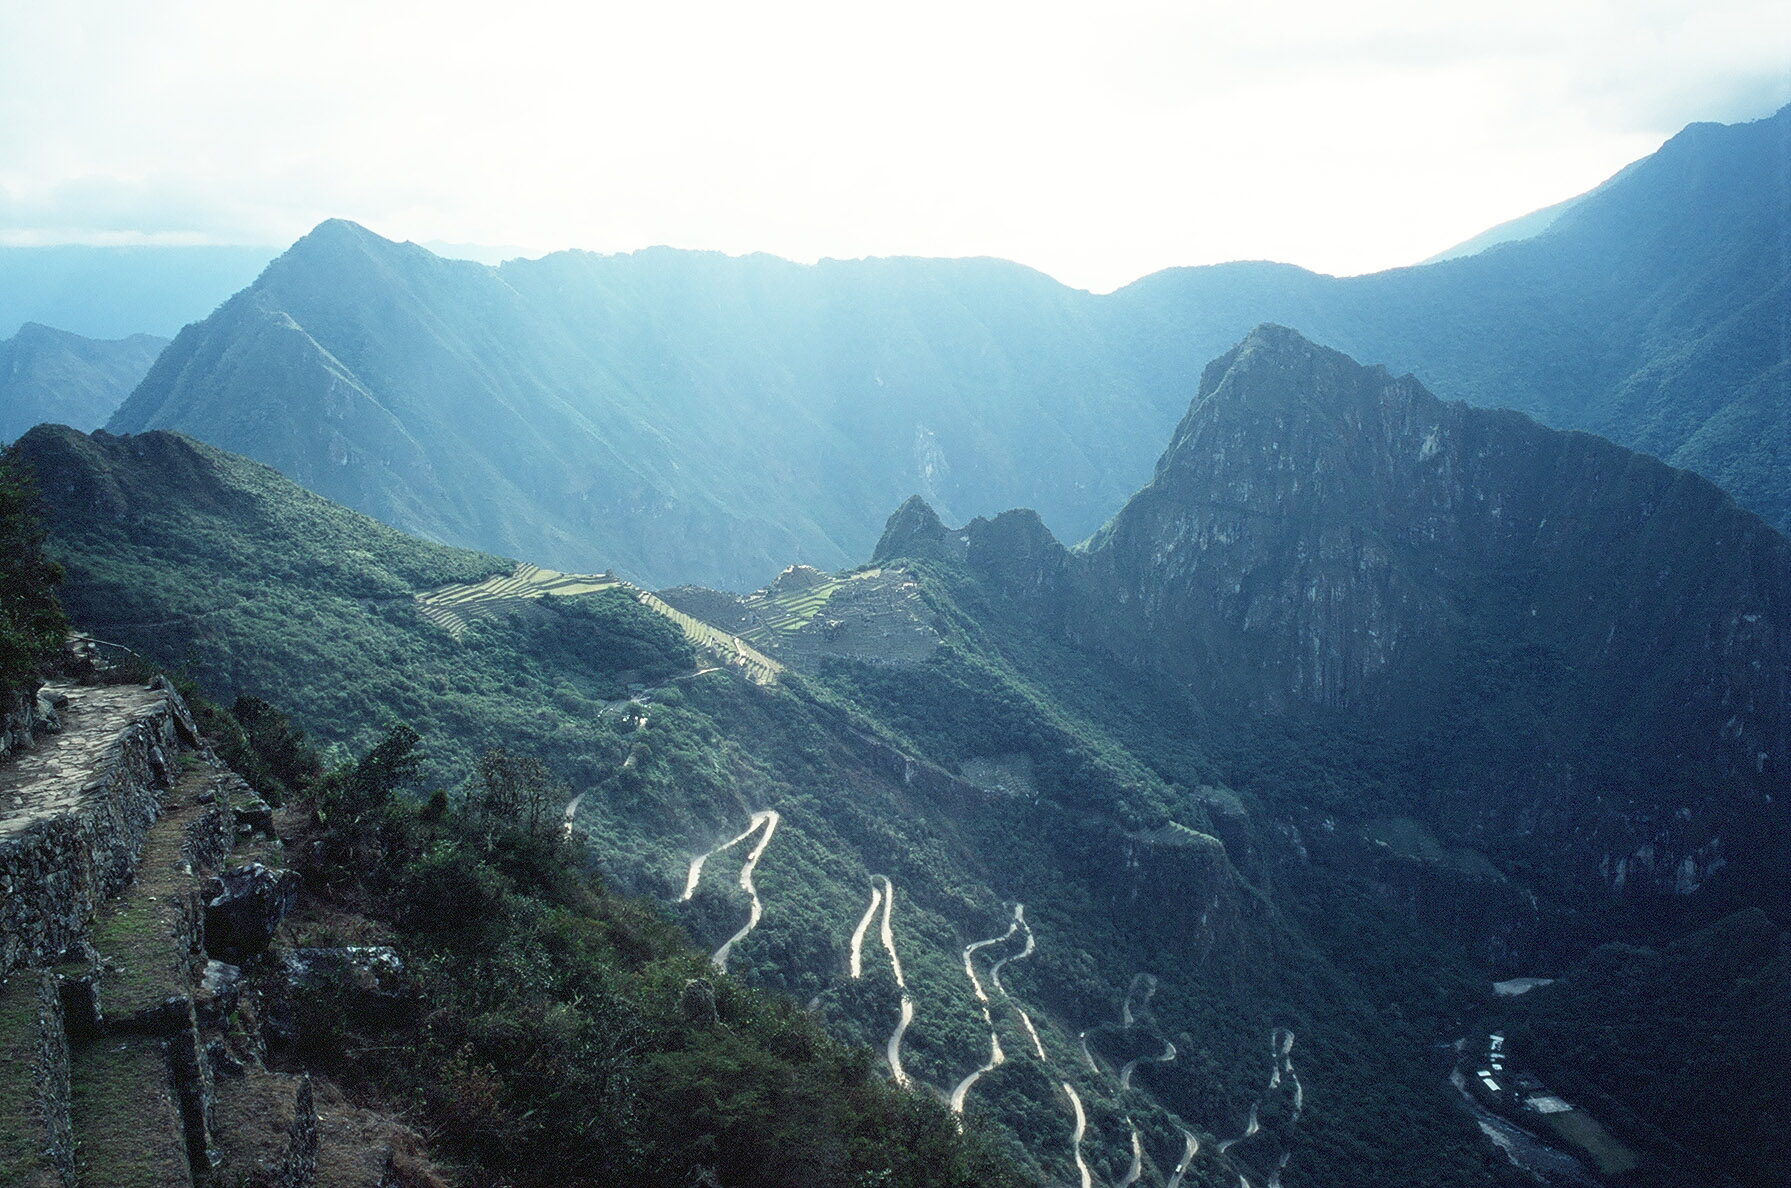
(51, 375)
(689, 417)
(1575, 640)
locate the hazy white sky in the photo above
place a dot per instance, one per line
(1097, 142)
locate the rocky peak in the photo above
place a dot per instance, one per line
(915, 530)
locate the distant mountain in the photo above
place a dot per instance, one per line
(670, 415)
(1652, 312)
(1541, 679)
(113, 292)
(51, 375)
(690, 417)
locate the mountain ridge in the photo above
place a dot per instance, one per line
(55, 375)
(689, 417)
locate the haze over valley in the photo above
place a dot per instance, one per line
(686, 718)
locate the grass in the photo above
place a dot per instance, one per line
(127, 1123)
(453, 607)
(23, 1134)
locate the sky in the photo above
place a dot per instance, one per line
(1096, 142)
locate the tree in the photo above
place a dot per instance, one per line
(31, 620)
(517, 789)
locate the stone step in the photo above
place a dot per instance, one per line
(36, 1147)
(74, 809)
(266, 1128)
(126, 1115)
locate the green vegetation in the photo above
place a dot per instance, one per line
(562, 1035)
(128, 1130)
(1231, 856)
(23, 1134)
(31, 619)
(1639, 1035)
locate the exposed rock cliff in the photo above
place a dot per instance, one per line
(1580, 640)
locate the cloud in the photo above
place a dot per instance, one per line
(1096, 146)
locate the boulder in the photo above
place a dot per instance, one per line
(244, 907)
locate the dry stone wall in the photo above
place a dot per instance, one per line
(73, 810)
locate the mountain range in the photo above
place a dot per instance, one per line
(52, 375)
(1364, 700)
(688, 417)
(114, 291)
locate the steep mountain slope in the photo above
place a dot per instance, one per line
(819, 809)
(1582, 647)
(686, 417)
(666, 415)
(1652, 311)
(51, 375)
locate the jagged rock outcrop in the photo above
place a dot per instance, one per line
(244, 907)
(1522, 604)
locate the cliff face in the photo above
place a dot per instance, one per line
(1324, 533)
(1573, 639)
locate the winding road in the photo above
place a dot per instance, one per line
(864, 924)
(571, 811)
(696, 864)
(1250, 1128)
(885, 898)
(1125, 1008)
(1087, 1056)
(1076, 1135)
(768, 818)
(1125, 1074)
(1137, 1168)
(996, 1057)
(1181, 1169)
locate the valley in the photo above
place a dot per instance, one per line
(1217, 689)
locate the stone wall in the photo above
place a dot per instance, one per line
(60, 859)
(51, 1074)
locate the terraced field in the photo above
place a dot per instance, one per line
(730, 649)
(454, 607)
(872, 614)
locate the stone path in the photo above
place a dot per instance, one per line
(56, 775)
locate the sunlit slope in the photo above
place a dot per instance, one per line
(689, 417)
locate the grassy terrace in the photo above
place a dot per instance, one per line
(127, 1124)
(22, 1131)
(139, 934)
(452, 607)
